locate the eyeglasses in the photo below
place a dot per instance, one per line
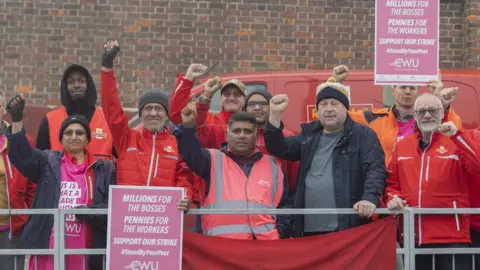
(77, 132)
(261, 104)
(432, 112)
(235, 94)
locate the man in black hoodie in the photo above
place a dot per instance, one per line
(79, 96)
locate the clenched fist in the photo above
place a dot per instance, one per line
(15, 107)
(189, 114)
(340, 73)
(194, 71)
(448, 129)
(447, 96)
(278, 104)
(212, 86)
(435, 86)
(111, 49)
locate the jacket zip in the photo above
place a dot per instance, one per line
(89, 186)
(428, 169)
(420, 191)
(151, 160)
(156, 166)
(246, 196)
(456, 216)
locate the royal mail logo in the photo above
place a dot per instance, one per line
(99, 134)
(168, 149)
(442, 150)
(264, 183)
(144, 265)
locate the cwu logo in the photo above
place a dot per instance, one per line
(144, 265)
(406, 63)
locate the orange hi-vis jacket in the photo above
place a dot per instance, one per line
(102, 142)
(436, 177)
(384, 123)
(230, 188)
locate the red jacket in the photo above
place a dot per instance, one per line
(144, 158)
(436, 178)
(20, 191)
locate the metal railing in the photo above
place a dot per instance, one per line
(408, 251)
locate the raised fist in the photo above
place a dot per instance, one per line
(278, 104)
(447, 96)
(194, 71)
(189, 114)
(15, 107)
(448, 129)
(212, 86)
(111, 49)
(340, 73)
(435, 86)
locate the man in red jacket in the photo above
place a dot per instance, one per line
(148, 157)
(429, 169)
(16, 192)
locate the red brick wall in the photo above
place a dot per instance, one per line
(160, 38)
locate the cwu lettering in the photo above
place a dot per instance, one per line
(144, 265)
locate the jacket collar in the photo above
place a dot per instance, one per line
(160, 135)
(316, 126)
(256, 154)
(89, 157)
(396, 113)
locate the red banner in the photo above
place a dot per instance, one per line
(369, 247)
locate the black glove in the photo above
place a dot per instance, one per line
(109, 55)
(15, 107)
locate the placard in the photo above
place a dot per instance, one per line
(145, 228)
(406, 41)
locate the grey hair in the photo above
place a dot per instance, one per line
(427, 95)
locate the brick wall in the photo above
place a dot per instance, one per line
(160, 38)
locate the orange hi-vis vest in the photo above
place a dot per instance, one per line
(230, 188)
(101, 143)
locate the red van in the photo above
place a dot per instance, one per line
(300, 87)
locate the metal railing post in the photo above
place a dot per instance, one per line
(406, 237)
(56, 240)
(411, 238)
(62, 239)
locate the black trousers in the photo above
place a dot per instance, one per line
(444, 262)
(475, 236)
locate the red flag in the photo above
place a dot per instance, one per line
(369, 247)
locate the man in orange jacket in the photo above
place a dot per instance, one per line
(148, 157)
(429, 169)
(79, 96)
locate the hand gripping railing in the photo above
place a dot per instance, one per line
(409, 251)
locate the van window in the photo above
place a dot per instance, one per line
(215, 104)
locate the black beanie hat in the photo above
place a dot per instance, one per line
(75, 119)
(332, 90)
(153, 96)
(259, 91)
